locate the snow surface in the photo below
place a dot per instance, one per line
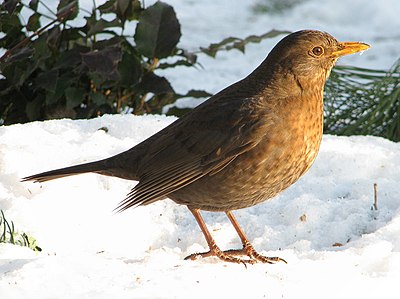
(90, 252)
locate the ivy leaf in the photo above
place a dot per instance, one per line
(98, 98)
(74, 96)
(103, 62)
(230, 43)
(67, 9)
(158, 31)
(123, 7)
(107, 7)
(48, 80)
(130, 69)
(98, 26)
(32, 108)
(33, 22)
(180, 62)
(10, 5)
(128, 9)
(155, 84)
(33, 4)
(70, 58)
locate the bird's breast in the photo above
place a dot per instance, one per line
(286, 151)
(290, 149)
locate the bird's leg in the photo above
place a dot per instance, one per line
(248, 249)
(214, 249)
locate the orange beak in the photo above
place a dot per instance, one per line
(346, 48)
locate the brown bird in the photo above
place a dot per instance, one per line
(241, 147)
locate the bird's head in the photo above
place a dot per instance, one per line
(308, 55)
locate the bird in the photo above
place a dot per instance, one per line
(241, 147)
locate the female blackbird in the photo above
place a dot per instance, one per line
(241, 147)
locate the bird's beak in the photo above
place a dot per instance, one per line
(346, 48)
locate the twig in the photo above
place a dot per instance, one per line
(375, 206)
(60, 18)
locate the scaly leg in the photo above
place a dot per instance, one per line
(248, 249)
(229, 255)
(214, 249)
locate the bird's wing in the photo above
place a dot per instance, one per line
(202, 144)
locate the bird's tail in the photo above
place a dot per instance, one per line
(97, 166)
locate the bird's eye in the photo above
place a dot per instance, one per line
(318, 51)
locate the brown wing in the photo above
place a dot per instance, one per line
(199, 144)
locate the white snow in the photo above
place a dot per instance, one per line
(90, 252)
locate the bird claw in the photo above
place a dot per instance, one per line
(222, 255)
(255, 256)
(249, 250)
(229, 256)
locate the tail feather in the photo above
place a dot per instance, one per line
(97, 166)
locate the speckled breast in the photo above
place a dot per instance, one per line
(286, 153)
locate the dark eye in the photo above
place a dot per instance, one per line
(318, 51)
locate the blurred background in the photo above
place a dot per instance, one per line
(97, 57)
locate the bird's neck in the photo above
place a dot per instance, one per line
(284, 83)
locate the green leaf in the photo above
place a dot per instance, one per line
(180, 62)
(33, 108)
(51, 98)
(97, 98)
(74, 96)
(175, 111)
(98, 26)
(70, 58)
(10, 5)
(33, 4)
(196, 93)
(67, 9)
(213, 48)
(122, 9)
(128, 9)
(103, 62)
(155, 84)
(74, 35)
(230, 43)
(41, 49)
(48, 80)
(107, 7)
(33, 22)
(53, 38)
(130, 69)
(158, 31)
(11, 26)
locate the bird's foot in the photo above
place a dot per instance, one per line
(222, 255)
(226, 256)
(249, 250)
(230, 255)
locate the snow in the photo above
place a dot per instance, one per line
(91, 252)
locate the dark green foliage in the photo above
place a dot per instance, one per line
(8, 234)
(69, 71)
(52, 69)
(158, 31)
(239, 43)
(363, 102)
(275, 6)
(79, 72)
